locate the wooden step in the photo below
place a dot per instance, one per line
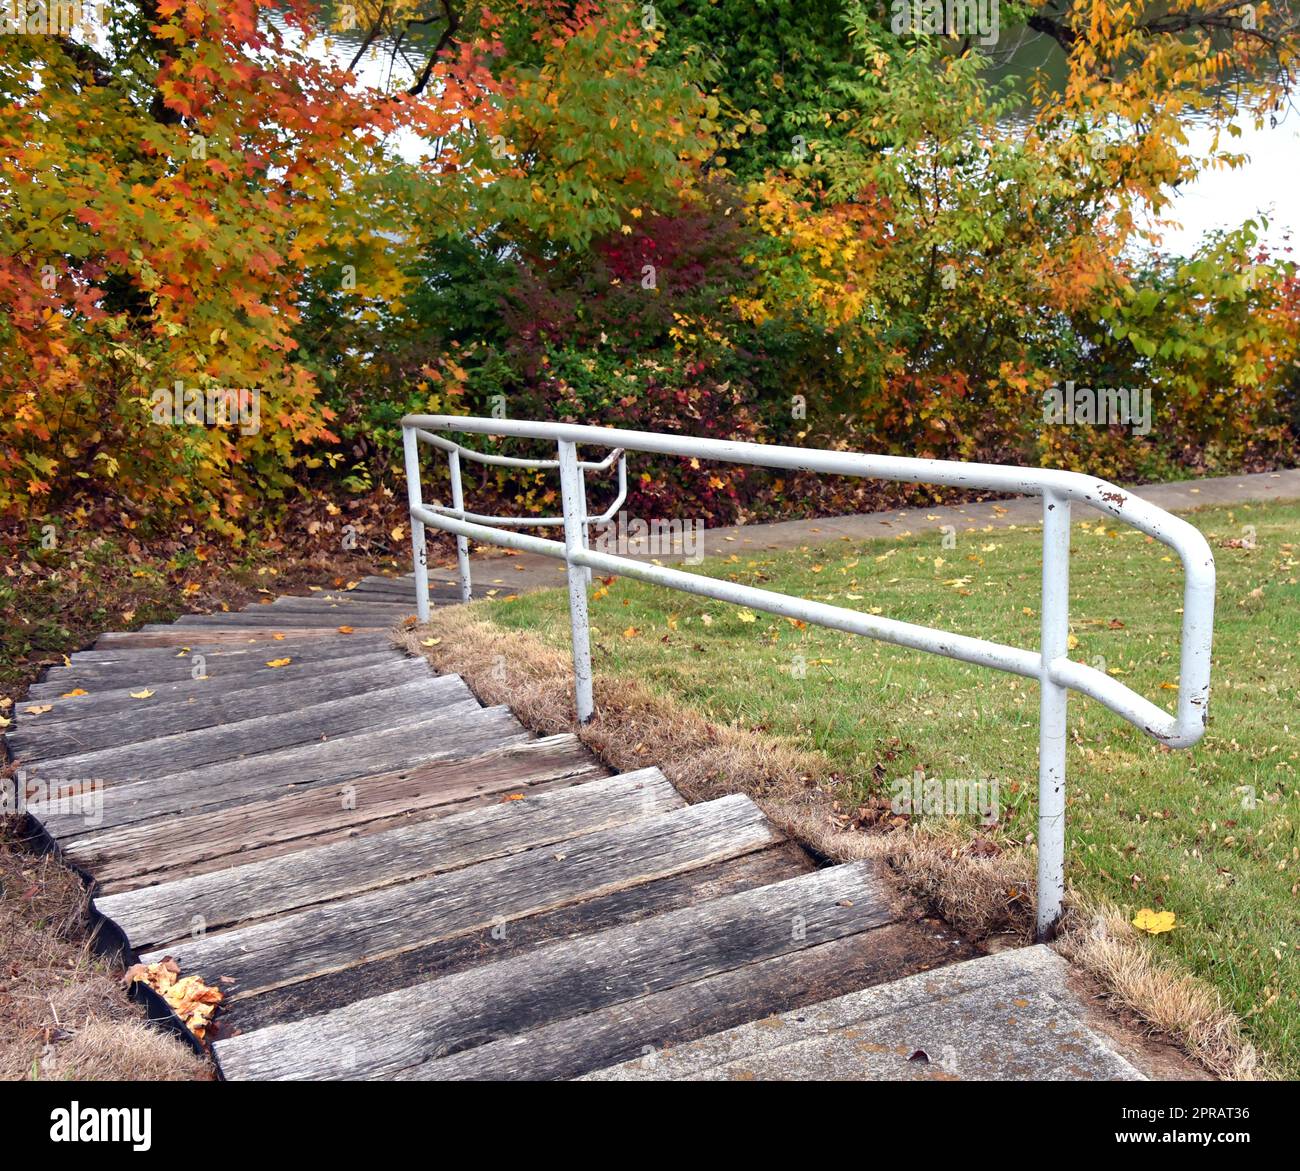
(472, 949)
(454, 732)
(252, 677)
(155, 915)
(358, 617)
(185, 635)
(153, 717)
(126, 857)
(230, 655)
(385, 707)
(645, 1027)
(319, 602)
(408, 1030)
(351, 931)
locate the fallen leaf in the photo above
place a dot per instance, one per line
(38, 709)
(193, 1001)
(76, 691)
(278, 662)
(345, 630)
(1154, 922)
(145, 694)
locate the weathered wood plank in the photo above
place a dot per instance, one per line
(334, 602)
(101, 701)
(641, 1027)
(398, 584)
(313, 646)
(442, 957)
(129, 856)
(249, 642)
(358, 618)
(155, 915)
(184, 635)
(384, 707)
(456, 731)
(154, 717)
(561, 980)
(177, 664)
(344, 933)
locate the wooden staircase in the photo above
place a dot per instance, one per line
(389, 880)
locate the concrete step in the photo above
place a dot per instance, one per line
(1004, 1017)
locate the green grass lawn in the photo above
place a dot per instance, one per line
(1209, 833)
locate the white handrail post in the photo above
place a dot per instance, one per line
(1052, 715)
(462, 543)
(586, 527)
(414, 499)
(575, 522)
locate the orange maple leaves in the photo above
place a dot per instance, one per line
(193, 1001)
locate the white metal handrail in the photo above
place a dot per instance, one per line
(1050, 664)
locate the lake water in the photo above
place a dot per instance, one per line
(1267, 184)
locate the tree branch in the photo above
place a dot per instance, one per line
(453, 23)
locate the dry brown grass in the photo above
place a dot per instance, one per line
(64, 1013)
(633, 727)
(981, 896)
(1103, 943)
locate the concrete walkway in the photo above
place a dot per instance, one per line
(513, 574)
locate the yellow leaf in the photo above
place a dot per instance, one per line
(4, 723)
(345, 630)
(278, 662)
(38, 709)
(145, 694)
(399, 533)
(1154, 922)
(631, 632)
(278, 637)
(745, 614)
(430, 641)
(1071, 642)
(76, 691)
